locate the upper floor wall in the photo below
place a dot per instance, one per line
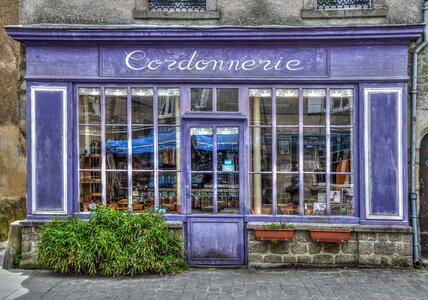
(220, 12)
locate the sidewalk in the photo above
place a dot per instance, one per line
(214, 283)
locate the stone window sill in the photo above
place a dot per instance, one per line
(185, 15)
(344, 13)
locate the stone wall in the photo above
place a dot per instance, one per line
(368, 246)
(23, 237)
(12, 140)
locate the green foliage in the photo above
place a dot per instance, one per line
(16, 260)
(277, 226)
(111, 243)
(325, 2)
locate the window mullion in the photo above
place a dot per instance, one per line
(103, 149)
(129, 136)
(301, 177)
(274, 177)
(155, 146)
(327, 146)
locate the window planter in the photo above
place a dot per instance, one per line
(330, 235)
(270, 234)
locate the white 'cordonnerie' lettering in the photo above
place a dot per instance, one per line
(137, 61)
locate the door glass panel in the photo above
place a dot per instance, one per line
(201, 139)
(228, 193)
(227, 149)
(202, 193)
(201, 99)
(227, 99)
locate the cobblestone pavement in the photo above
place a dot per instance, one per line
(222, 284)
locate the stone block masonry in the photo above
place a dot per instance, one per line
(368, 246)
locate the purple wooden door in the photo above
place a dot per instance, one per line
(214, 183)
(423, 192)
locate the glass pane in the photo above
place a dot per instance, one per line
(288, 194)
(228, 193)
(116, 147)
(116, 106)
(90, 147)
(90, 190)
(260, 107)
(89, 106)
(314, 194)
(261, 149)
(261, 193)
(169, 106)
(341, 145)
(201, 99)
(314, 149)
(143, 192)
(169, 192)
(287, 106)
(201, 139)
(142, 106)
(342, 195)
(117, 190)
(341, 106)
(287, 149)
(314, 106)
(142, 148)
(169, 147)
(202, 193)
(228, 149)
(227, 99)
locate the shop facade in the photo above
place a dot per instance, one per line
(224, 128)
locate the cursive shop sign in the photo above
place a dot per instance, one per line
(213, 62)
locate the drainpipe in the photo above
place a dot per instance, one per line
(414, 215)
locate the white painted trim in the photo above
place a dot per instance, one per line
(367, 160)
(35, 89)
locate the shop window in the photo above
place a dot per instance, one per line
(307, 134)
(129, 152)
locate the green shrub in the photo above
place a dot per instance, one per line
(111, 243)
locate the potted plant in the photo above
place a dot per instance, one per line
(275, 232)
(330, 235)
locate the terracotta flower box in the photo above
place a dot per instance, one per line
(330, 235)
(269, 234)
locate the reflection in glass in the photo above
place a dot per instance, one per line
(89, 106)
(314, 107)
(341, 143)
(201, 139)
(227, 100)
(261, 149)
(202, 193)
(117, 190)
(228, 193)
(142, 106)
(260, 107)
(287, 106)
(116, 106)
(342, 195)
(143, 193)
(90, 147)
(89, 190)
(169, 191)
(116, 147)
(168, 147)
(261, 193)
(201, 99)
(142, 148)
(287, 141)
(228, 149)
(314, 194)
(169, 106)
(341, 106)
(288, 194)
(314, 152)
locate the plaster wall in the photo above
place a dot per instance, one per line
(231, 12)
(12, 141)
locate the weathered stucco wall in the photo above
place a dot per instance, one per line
(12, 142)
(232, 12)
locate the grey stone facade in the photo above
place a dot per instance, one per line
(368, 246)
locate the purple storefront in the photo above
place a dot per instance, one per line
(222, 128)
